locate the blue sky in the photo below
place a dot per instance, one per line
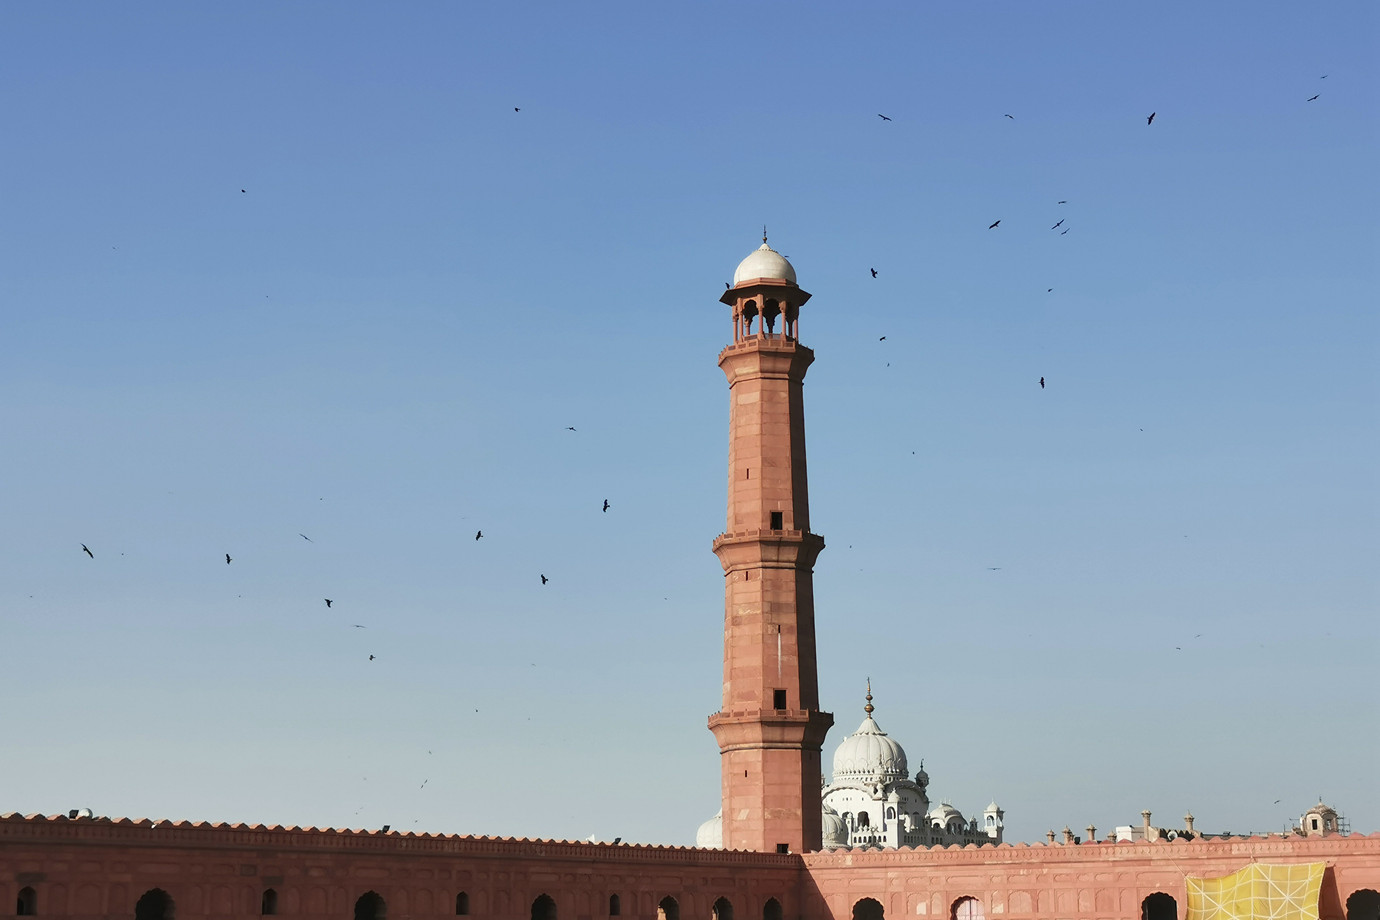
(1150, 585)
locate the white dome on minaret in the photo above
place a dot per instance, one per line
(868, 753)
(764, 262)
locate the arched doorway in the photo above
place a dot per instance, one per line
(156, 904)
(27, 905)
(544, 908)
(268, 904)
(370, 906)
(868, 909)
(771, 910)
(462, 904)
(1363, 905)
(615, 906)
(1159, 906)
(723, 909)
(967, 909)
(668, 909)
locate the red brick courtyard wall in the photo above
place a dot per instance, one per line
(92, 869)
(1090, 881)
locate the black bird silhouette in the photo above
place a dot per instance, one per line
(371, 657)
(360, 626)
(882, 339)
(1311, 98)
(994, 225)
(544, 579)
(994, 568)
(328, 601)
(1062, 232)
(478, 534)
(1151, 118)
(1051, 290)
(1062, 202)
(1056, 226)
(307, 538)
(242, 191)
(516, 109)
(727, 286)
(569, 427)
(874, 272)
(87, 551)
(606, 504)
(1323, 77)
(1012, 117)
(227, 558)
(883, 117)
(1042, 383)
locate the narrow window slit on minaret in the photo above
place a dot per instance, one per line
(778, 699)
(776, 522)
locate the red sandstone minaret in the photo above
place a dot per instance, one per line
(770, 727)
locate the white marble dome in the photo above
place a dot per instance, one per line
(835, 831)
(764, 262)
(868, 753)
(710, 836)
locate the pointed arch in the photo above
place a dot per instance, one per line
(462, 904)
(722, 910)
(1159, 906)
(370, 906)
(771, 910)
(154, 904)
(615, 906)
(268, 903)
(27, 904)
(544, 908)
(967, 908)
(1363, 904)
(868, 909)
(668, 909)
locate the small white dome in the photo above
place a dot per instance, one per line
(867, 753)
(710, 836)
(943, 812)
(835, 831)
(764, 262)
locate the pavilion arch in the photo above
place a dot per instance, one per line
(462, 904)
(544, 908)
(722, 910)
(967, 908)
(1159, 906)
(371, 906)
(668, 909)
(27, 903)
(268, 902)
(1364, 904)
(868, 909)
(155, 904)
(771, 910)
(615, 905)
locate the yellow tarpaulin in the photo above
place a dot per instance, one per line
(1258, 892)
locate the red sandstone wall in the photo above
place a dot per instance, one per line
(89, 869)
(1098, 881)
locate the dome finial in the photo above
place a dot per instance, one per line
(868, 708)
(764, 234)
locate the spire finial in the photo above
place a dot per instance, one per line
(764, 234)
(868, 708)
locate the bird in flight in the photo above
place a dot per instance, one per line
(544, 579)
(1012, 117)
(994, 225)
(371, 657)
(242, 191)
(1051, 290)
(874, 272)
(87, 551)
(516, 109)
(1151, 119)
(1062, 202)
(328, 602)
(1042, 383)
(307, 538)
(883, 117)
(727, 286)
(606, 504)
(478, 534)
(1311, 98)
(569, 427)
(227, 558)
(1062, 232)
(1056, 226)
(882, 339)
(360, 626)
(994, 568)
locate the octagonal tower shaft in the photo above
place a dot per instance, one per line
(770, 729)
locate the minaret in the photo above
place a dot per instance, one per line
(770, 728)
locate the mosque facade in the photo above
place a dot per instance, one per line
(866, 845)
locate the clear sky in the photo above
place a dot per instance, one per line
(301, 268)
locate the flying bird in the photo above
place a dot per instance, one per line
(371, 657)
(1061, 202)
(478, 534)
(1311, 98)
(1056, 226)
(1042, 383)
(727, 286)
(242, 191)
(360, 626)
(569, 427)
(328, 602)
(883, 117)
(1012, 117)
(1151, 119)
(994, 568)
(544, 579)
(516, 109)
(882, 339)
(1062, 232)
(307, 538)
(994, 225)
(874, 272)
(1051, 290)
(227, 558)
(606, 504)
(87, 551)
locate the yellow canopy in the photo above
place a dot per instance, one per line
(1258, 892)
